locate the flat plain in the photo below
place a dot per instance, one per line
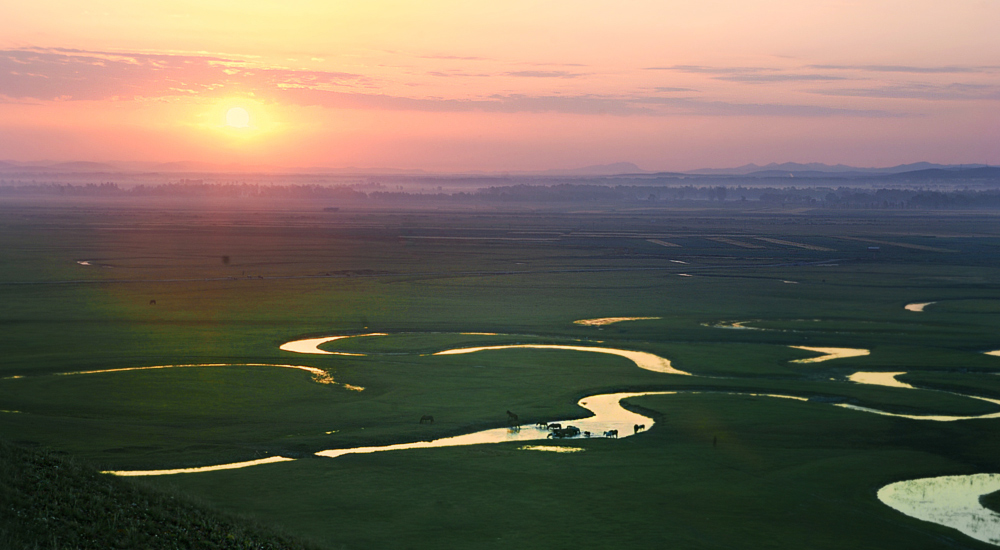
(107, 288)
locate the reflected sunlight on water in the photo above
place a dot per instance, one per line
(952, 501)
(879, 379)
(608, 415)
(550, 449)
(643, 360)
(610, 320)
(830, 353)
(230, 466)
(311, 345)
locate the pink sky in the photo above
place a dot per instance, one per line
(458, 85)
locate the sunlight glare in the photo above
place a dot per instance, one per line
(237, 117)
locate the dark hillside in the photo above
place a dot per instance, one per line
(50, 502)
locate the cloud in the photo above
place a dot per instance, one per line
(724, 108)
(456, 73)
(747, 74)
(948, 92)
(453, 57)
(536, 64)
(946, 69)
(777, 77)
(578, 104)
(511, 103)
(703, 69)
(544, 74)
(47, 74)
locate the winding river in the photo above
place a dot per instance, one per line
(610, 320)
(311, 345)
(830, 353)
(952, 501)
(880, 379)
(643, 360)
(608, 414)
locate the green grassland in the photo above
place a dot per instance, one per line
(230, 287)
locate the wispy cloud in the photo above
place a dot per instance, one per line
(724, 108)
(777, 77)
(948, 92)
(544, 74)
(454, 57)
(704, 69)
(747, 74)
(43, 74)
(47, 74)
(448, 74)
(579, 104)
(945, 69)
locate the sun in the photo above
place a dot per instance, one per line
(237, 117)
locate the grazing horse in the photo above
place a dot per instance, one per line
(554, 426)
(152, 302)
(426, 418)
(512, 419)
(611, 433)
(586, 434)
(638, 428)
(568, 431)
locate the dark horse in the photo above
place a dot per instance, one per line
(152, 302)
(426, 418)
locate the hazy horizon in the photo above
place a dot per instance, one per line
(83, 167)
(456, 87)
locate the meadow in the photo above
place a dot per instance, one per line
(717, 470)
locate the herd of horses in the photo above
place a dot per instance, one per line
(556, 430)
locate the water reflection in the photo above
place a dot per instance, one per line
(230, 466)
(320, 376)
(610, 320)
(311, 345)
(737, 325)
(830, 353)
(952, 501)
(551, 449)
(643, 360)
(935, 418)
(608, 415)
(879, 379)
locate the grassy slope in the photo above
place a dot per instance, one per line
(51, 502)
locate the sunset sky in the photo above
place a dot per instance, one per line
(460, 85)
